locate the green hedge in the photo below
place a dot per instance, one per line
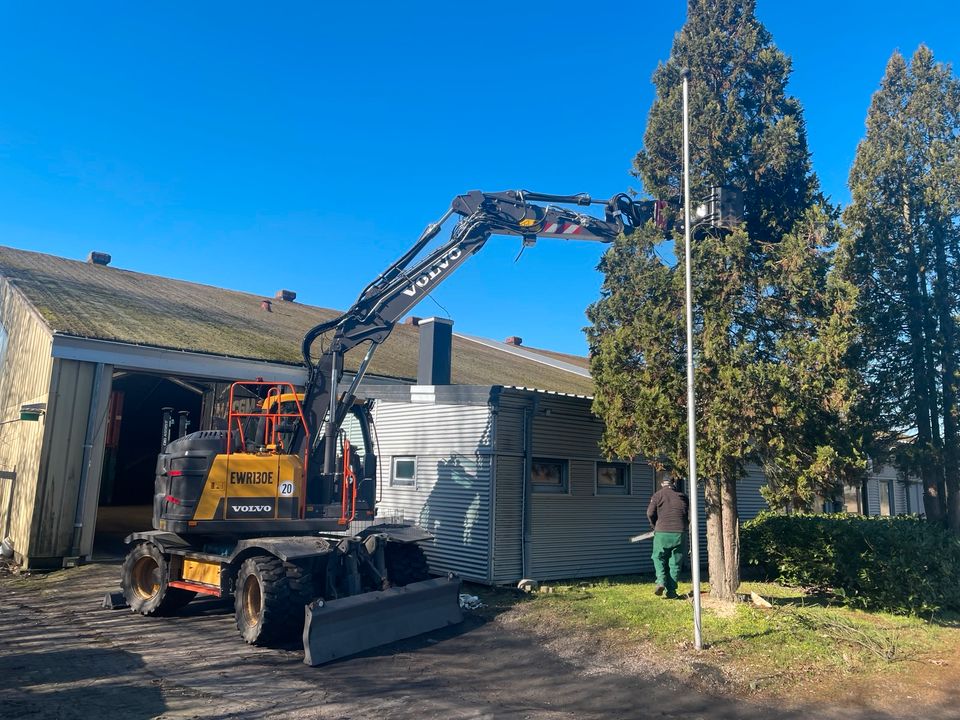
(900, 564)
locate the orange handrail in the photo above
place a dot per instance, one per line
(269, 410)
(348, 493)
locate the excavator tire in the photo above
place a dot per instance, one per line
(302, 593)
(144, 577)
(406, 564)
(267, 610)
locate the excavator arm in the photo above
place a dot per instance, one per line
(413, 276)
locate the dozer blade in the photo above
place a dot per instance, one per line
(350, 625)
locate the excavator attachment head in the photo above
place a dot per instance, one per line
(349, 625)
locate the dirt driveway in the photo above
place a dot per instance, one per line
(62, 656)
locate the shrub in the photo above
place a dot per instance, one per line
(901, 564)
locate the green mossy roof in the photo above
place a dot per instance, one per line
(107, 303)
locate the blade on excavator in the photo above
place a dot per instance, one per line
(350, 625)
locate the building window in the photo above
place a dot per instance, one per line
(404, 473)
(549, 476)
(886, 497)
(613, 478)
(852, 502)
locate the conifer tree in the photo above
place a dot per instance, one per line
(771, 326)
(902, 251)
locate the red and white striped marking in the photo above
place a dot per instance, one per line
(562, 229)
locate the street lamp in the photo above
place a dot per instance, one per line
(691, 396)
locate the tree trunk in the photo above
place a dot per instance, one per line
(944, 299)
(915, 311)
(723, 538)
(714, 514)
(731, 541)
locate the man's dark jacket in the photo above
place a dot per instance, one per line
(668, 510)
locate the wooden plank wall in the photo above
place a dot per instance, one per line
(61, 464)
(24, 378)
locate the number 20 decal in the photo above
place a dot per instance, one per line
(286, 489)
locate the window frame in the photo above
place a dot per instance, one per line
(403, 483)
(852, 494)
(890, 497)
(563, 488)
(625, 470)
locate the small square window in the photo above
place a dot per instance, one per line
(613, 478)
(549, 476)
(404, 473)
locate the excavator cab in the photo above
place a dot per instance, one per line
(248, 478)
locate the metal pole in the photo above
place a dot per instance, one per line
(691, 396)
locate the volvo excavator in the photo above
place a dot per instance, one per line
(278, 508)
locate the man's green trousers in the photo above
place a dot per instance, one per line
(667, 557)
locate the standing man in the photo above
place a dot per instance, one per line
(669, 516)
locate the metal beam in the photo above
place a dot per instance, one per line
(173, 362)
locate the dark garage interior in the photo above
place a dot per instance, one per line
(135, 418)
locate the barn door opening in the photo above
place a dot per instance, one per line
(143, 410)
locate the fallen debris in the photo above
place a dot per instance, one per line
(470, 602)
(528, 585)
(114, 600)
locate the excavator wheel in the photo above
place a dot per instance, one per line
(406, 564)
(144, 578)
(266, 607)
(301, 594)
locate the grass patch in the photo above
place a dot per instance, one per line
(800, 638)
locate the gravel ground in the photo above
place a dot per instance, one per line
(62, 656)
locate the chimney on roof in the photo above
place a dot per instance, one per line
(98, 258)
(436, 351)
(266, 305)
(514, 340)
(412, 320)
(286, 295)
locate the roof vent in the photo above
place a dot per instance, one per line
(412, 320)
(286, 295)
(514, 340)
(266, 305)
(98, 258)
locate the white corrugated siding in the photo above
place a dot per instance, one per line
(452, 497)
(899, 498)
(579, 534)
(873, 496)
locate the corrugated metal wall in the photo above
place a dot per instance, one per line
(24, 378)
(61, 463)
(749, 500)
(581, 533)
(453, 448)
(507, 554)
(462, 471)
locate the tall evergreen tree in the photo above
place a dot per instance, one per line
(902, 250)
(770, 329)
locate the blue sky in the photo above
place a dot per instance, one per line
(305, 145)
